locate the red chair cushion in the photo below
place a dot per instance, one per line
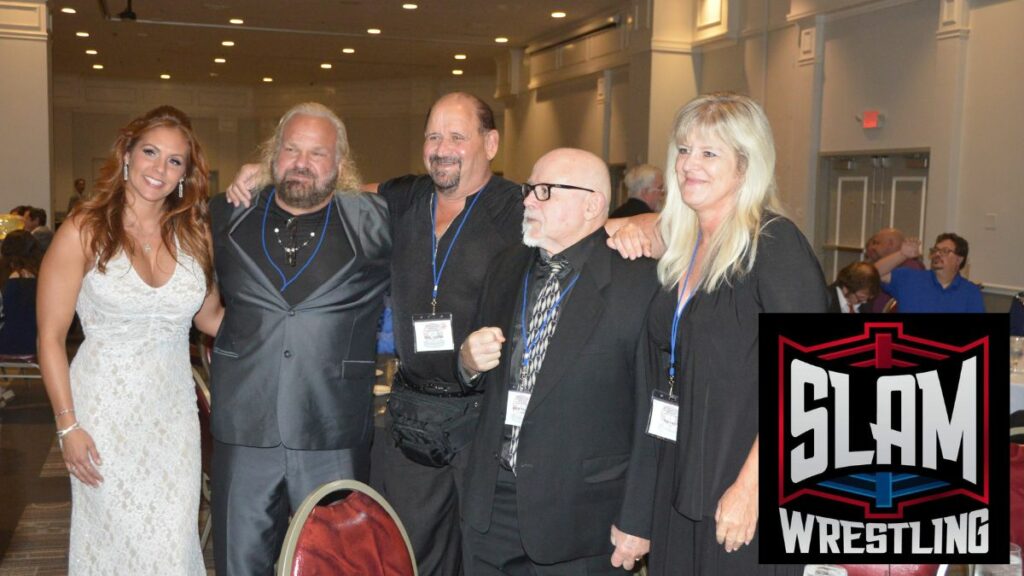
(891, 569)
(351, 536)
(1017, 493)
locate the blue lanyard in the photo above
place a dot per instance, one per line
(680, 306)
(263, 237)
(527, 344)
(433, 237)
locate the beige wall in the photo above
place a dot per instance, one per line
(992, 175)
(951, 90)
(24, 106)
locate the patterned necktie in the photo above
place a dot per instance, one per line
(541, 327)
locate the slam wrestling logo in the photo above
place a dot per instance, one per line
(889, 438)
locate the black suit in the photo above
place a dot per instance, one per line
(291, 384)
(577, 436)
(631, 207)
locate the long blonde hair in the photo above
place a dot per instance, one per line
(741, 124)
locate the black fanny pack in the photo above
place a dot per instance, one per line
(431, 429)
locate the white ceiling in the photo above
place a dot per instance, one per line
(288, 40)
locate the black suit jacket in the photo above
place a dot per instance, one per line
(631, 207)
(573, 479)
(298, 375)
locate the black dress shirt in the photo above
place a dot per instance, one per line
(495, 224)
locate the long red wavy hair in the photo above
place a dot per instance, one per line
(101, 215)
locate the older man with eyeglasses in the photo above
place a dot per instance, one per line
(940, 289)
(548, 488)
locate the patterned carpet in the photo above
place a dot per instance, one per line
(34, 481)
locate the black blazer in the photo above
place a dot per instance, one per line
(631, 207)
(298, 375)
(577, 438)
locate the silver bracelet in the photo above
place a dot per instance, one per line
(65, 431)
(63, 412)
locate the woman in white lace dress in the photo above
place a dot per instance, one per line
(135, 260)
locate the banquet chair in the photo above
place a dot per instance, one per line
(25, 367)
(206, 443)
(346, 527)
(16, 367)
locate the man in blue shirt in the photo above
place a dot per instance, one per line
(941, 289)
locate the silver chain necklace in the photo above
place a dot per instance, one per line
(291, 250)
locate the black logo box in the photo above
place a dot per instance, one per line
(823, 333)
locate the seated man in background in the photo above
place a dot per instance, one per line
(646, 188)
(886, 241)
(941, 289)
(854, 285)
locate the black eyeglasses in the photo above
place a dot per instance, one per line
(943, 251)
(542, 190)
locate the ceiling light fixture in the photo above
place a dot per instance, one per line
(460, 56)
(236, 21)
(558, 14)
(165, 76)
(501, 40)
(373, 30)
(410, 6)
(227, 43)
(219, 60)
(349, 50)
(268, 79)
(456, 72)
(91, 52)
(97, 66)
(82, 34)
(69, 10)
(326, 66)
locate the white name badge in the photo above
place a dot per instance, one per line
(516, 409)
(433, 332)
(664, 420)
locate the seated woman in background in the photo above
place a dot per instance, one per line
(854, 285)
(19, 265)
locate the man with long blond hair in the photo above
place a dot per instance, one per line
(303, 271)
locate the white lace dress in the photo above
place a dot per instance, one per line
(133, 391)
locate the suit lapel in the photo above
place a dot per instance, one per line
(577, 322)
(234, 220)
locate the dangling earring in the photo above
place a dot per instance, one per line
(126, 171)
(181, 188)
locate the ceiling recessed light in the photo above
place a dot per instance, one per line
(91, 52)
(349, 50)
(227, 43)
(213, 74)
(456, 72)
(268, 79)
(501, 40)
(236, 21)
(165, 76)
(82, 34)
(373, 30)
(219, 60)
(97, 66)
(69, 10)
(410, 6)
(326, 66)
(558, 14)
(460, 56)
